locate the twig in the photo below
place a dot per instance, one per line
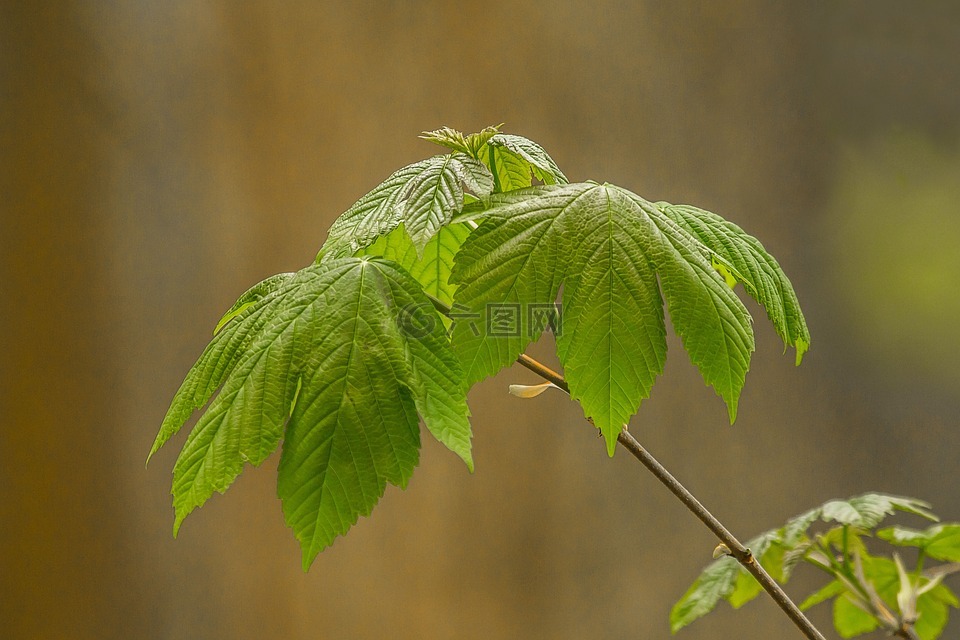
(736, 549)
(907, 631)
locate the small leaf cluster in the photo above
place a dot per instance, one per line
(392, 324)
(869, 591)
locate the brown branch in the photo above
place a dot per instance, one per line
(907, 631)
(736, 548)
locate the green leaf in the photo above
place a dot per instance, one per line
(510, 171)
(432, 270)
(905, 536)
(251, 296)
(710, 320)
(355, 376)
(779, 550)
(772, 561)
(864, 512)
(768, 552)
(513, 258)
(434, 196)
(376, 213)
(868, 510)
(835, 537)
(475, 177)
(849, 619)
(943, 593)
(358, 430)
(745, 589)
(220, 357)
(716, 582)
(453, 139)
(941, 541)
(517, 157)
(607, 247)
(613, 343)
(933, 612)
(424, 196)
(830, 590)
(945, 544)
(794, 532)
(793, 555)
(743, 258)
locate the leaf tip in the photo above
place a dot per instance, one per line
(156, 447)
(466, 455)
(611, 445)
(309, 555)
(802, 346)
(223, 321)
(732, 409)
(230, 315)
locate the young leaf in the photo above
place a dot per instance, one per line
(941, 542)
(851, 620)
(346, 380)
(760, 273)
(944, 543)
(745, 589)
(830, 590)
(779, 550)
(839, 535)
(868, 510)
(510, 171)
(432, 270)
(932, 606)
(513, 158)
(769, 553)
(933, 612)
(716, 582)
(434, 196)
(424, 196)
(373, 215)
(453, 139)
(607, 247)
(795, 530)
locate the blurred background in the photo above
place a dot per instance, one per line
(156, 159)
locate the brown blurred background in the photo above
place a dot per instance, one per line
(156, 159)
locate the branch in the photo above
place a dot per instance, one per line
(742, 554)
(736, 549)
(906, 631)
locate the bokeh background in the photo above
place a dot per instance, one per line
(157, 158)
